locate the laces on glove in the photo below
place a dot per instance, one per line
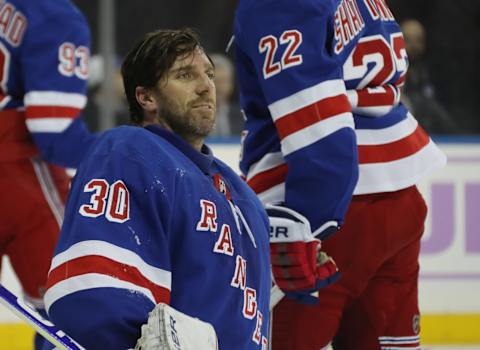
(300, 269)
(327, 273)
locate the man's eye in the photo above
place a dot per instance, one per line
(211, 75)
(184, 75)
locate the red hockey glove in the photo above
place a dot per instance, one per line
(298, 266)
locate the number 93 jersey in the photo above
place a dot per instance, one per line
(320, 88)
(44, 53)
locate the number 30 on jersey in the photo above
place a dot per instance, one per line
(111, 201)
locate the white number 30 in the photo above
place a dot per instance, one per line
(113, 201)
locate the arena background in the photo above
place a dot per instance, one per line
(450, 259)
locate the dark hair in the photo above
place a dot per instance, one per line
(150, 58)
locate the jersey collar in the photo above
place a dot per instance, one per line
(203, 159)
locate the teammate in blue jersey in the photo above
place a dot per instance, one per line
(153, 217)
(320, 87)
(44, 51)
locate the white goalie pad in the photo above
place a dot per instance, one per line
(170, 329)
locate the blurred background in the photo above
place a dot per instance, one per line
(442, 40)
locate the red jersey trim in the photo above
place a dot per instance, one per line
(311, 114)
(392, 151)
(34, 112)
(105, 266)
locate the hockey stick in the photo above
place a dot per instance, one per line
(34, 319)
(276, 295)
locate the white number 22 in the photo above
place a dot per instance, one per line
(269, 45)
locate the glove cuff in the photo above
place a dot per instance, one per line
(287, 225)
(326, 230)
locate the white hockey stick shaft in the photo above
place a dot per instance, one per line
(35, 320)
(276, 295)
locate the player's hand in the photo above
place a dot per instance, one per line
(299, 267)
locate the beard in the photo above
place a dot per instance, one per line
(188, 122)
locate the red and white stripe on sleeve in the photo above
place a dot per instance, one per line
(311, 114)
(390, 159)
(99, 264)
(267, 178)
(52, 111)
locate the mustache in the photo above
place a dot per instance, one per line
(198, 101)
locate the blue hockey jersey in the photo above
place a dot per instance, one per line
(44, 52)
(320, 87)
(149, 219)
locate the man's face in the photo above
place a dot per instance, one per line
(414, 35)
(223, 84)
(186, 96)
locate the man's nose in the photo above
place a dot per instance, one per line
(205, 85)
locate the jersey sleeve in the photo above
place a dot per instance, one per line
(285, 48)
(54, 62)
(112, 262)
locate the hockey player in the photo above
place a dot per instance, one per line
(153, 217)
(44, 51)
(319, 83)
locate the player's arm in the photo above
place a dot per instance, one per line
(301, 81)
(55, 68)
(112, 263)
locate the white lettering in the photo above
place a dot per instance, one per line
(249, 303)
(224, 243)
(258, 328)
(208, 219)
(239, 279)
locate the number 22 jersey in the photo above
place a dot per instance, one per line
(320, 88)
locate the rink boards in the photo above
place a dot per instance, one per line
(450, 257)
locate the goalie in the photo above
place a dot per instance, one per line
(154, 219)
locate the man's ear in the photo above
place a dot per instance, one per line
(146, 100)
